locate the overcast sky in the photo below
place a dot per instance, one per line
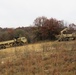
(18, 13)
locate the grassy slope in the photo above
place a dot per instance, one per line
(48, 58)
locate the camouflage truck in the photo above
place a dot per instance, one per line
(17, 41)
(67, 34)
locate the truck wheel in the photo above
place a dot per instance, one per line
(22, 43)
(3, 46)
(66, 39)
(73, 38)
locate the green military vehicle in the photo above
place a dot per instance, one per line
(18, 41)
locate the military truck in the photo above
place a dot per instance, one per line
(67, 34)
(17, 41)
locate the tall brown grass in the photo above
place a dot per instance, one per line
(52, 59)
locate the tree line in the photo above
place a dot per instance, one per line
(42, 29)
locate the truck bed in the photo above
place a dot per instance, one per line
(7, 42)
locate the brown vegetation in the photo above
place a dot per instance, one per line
(48, 58)
(42, 29)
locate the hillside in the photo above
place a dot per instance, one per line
(47, 58)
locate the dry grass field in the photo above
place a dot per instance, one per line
(48, 58)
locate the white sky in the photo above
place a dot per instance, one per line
(18, 13)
